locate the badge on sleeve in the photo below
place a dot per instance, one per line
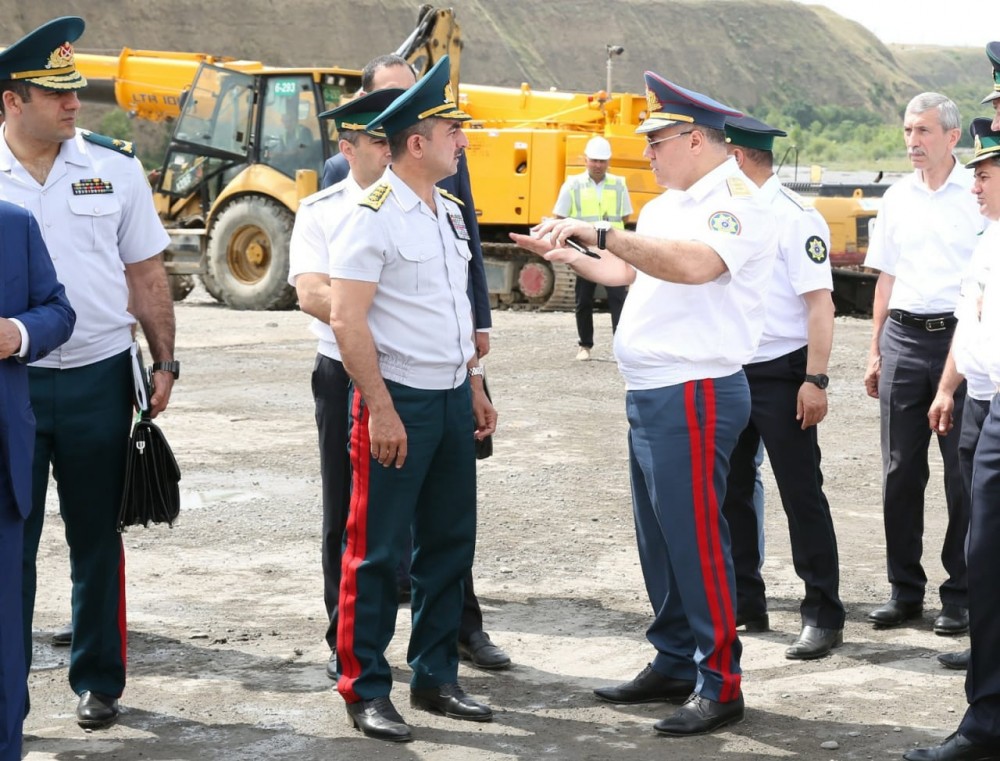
(458, 225)
(816, 249)
(724, 222)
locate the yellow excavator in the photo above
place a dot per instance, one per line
(247, 146)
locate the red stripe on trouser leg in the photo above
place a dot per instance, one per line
(122, 618)
(355, 550)
(706, 507)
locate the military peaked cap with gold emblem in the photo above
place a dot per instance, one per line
(987, 141)
(44, 57)
(670, 104)
(430, 97)
(356, 114)
(993, 53)
(748, 132)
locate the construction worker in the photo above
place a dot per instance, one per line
(599, 198)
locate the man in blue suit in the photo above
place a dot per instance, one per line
(36, 318)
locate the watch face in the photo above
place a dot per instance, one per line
(822, 381)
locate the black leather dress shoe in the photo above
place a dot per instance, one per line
(648, 687)
(955, 748)
(450, 700)
(333, 667)
(814, 642)
(895, 612)
(379, 718)
(751, 624)
(482, 652)
(956, 661)
(954, 619)
(63, 637)
(699, 716)
(96, 711)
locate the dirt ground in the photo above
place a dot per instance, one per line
(226, 656)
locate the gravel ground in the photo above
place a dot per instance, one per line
(226, 615)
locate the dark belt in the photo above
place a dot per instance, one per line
(932, 323)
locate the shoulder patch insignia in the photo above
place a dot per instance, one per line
(816, 249)
(737, 187)
(450, 197)
(724, 222)
(376, 198)
(795, 198)
(124, 147)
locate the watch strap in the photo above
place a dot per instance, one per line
(173, 367)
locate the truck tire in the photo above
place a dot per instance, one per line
(210, 285)
(248, 254)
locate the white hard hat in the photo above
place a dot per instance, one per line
(598, 149)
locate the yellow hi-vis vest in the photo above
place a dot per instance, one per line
(585, 205)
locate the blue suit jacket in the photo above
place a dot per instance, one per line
(30, 292)
(336, 168)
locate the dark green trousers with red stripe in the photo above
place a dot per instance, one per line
(680, 439)
(83, 416)
(435, 494)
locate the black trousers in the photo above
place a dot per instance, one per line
(330, 384)
(981, 723)
(585, 308)
(912, 362)
(794, 455)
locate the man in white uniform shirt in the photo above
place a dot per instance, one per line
(318, 217)
(402, 318)
(698, 266)
(922, 244)
(788, 381)
(95, 210)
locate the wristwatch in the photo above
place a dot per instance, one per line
(477, 370)
(602, 228)
(173, 367)
(821, 381)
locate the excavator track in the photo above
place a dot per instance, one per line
(563, 298)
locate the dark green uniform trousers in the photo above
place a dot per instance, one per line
(435, 493)
(83, 417)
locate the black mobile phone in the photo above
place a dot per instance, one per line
(576, 245)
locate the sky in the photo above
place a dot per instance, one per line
(909, 21)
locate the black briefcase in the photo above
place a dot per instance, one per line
(151, 493)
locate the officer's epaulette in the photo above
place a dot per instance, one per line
(795, 198)
(737, 187)
(122, 146)
(377, 197)
(450, 197)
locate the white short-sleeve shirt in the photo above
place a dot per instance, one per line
(924, 238)
(802, 265)
(316, 222)
(420, 318)
(96, 215)
(970, 345)
(670, 333)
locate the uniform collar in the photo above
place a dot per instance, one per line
(708, 182)
(404, 196)
(71, 152)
